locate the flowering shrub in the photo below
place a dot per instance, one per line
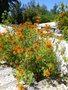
(32, 57)
(65, 33)
(63, 24)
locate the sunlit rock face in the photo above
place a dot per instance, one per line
(3, 28)
(61, 57)
(53, 26)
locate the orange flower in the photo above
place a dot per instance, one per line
(47, 73)
(14, 34)
(30, 53)
(38, 57)
(9, 35)
(20, 36)
(27, 49)
(21, 87)
(18, 68)
(20, 29)
(11, 63)
(43, 38)
(38, 19)
(47, 27)
(16, 61)
(23, 51)
(18, 47)
(13, 42)
(35, 46)
(0, 45)
(35, 25)
(18, 50)
(14, 52)
(7, 40)
(3, 33)
(41, 35)
(51, 67)
(20, 25)
(21, 73)
(17, 77)
(48, 44)
(40, 30)
(17, 85)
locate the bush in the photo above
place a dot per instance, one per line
(30, 15)
(63, 20)
(65, 33)
(48, 18)
(32, 57)
(63, 24)
(5, 18)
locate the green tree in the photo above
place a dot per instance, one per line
(4, 5)
(62, 7)
(43, 10)
(38, 7)
(29, 15)
(16, 13)
(31, 4)
(54, 10)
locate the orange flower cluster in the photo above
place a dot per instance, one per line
(0, 45)
(11, 63)
(16, 61)
(41, 35)
(21, 87)
(4, 33)
(48, 44)
(47, 27)
(47, 73)
(64, 13)
(35, 46)
(18, 50)
(35, 25)
(13, 42)
(49, 34)
(38, 57)
(27, 24)
(7, 40)
(40, 30)
(17, 77)
(21, 73)
(27, 49)
(38, 19)
(18, 68)
(20, 25)
(31, 54)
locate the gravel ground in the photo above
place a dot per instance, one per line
(8, 82)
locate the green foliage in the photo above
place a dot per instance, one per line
(65, 32)
(4, 5)
(5, 18)
(62, 7)
(48, 18)
(63, 20)
(30, 15)
(16, 13)
(54, 10)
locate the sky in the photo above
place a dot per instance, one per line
(48, 3)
